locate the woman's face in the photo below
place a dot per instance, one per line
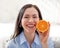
(29, 20)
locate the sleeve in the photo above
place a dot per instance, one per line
(11, 44)
(50, 43)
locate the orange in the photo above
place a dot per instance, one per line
(42, 26)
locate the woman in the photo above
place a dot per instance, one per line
(26, 35)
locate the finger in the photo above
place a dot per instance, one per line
(49, 24)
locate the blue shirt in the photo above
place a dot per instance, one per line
(21, 42)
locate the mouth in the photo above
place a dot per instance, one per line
(31, 25)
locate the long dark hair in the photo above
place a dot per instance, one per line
(18, 27)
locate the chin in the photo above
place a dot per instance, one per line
(31, 31)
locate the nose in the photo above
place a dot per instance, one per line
(31, 19)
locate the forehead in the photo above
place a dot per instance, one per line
(31, 10)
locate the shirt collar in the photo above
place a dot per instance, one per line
(36, 39)
(22, 38)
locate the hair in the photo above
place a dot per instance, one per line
(18, 27)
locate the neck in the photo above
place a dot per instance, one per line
(29, 37)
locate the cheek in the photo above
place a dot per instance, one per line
(23, 23)
(37, 20)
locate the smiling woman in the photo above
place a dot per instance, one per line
(9, 9)
(25, 34)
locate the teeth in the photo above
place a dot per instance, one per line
(30, 25)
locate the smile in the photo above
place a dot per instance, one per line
(31, 26)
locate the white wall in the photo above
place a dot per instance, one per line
(9, 9)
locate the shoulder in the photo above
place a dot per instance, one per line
(50, 43)
(11, 44)
(50, 40)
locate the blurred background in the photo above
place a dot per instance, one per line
(9, 10)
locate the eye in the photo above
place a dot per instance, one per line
(34, 16)
(26, 17)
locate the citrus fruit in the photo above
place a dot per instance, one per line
(42, 26)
